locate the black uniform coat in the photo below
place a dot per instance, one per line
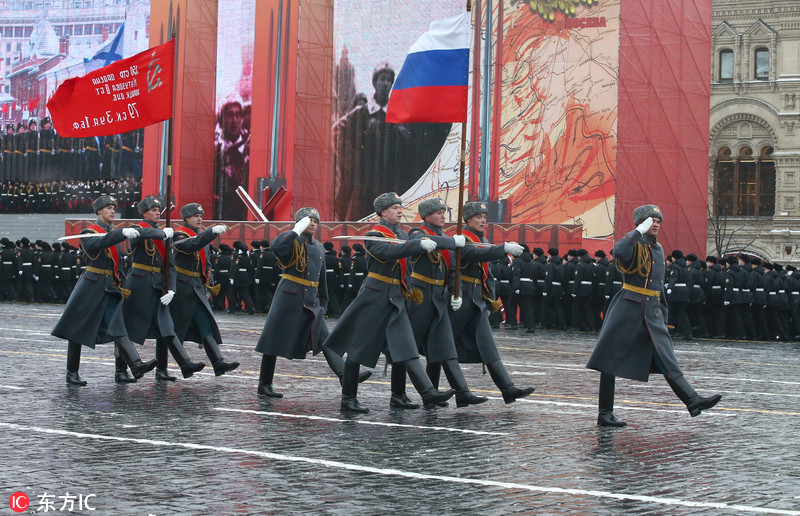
(635, 328)
(429, 319)
(190, 291)
(145, 316)
(295, 324)
(377, 320)
(83, 320)
(471, 328)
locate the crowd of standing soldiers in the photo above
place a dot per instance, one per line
(32, 152)
(738, 297)
(68, 196)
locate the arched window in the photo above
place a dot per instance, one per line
(762, 64)
(726, 66)
(745, 186)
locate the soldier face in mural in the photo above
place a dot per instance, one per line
(231, 121)
(383, 86)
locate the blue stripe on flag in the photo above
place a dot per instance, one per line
(434, 68)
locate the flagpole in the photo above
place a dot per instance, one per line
(462, 166)
(168, 244)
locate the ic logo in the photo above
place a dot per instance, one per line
(18, 501)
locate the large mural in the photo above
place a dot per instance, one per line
(552, 113)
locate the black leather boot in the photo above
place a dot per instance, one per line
(188, 368)
(121, 374)
(162, 354)
(511, 393)
(215, 355)
(695, 403)
(399, 398)
(605, 402)
(336, 363)
(131, 357)
(434, 372)
(457, 381)
(73, 363)
(350, 389)
(265, 377)
(430, 396)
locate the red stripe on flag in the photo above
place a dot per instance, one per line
(432, 104)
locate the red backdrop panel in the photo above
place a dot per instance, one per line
(664, 90)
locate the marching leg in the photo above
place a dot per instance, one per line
(265, 377)
(350, 389)
(131, 357)
(457, 381)
(188, 368)
(430, 396)
(215, 355)
(693, 401)
(399, 397)
(605, 401)
(511, 393)
(73, 363)
(162, 354)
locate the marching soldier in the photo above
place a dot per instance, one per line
(152, 287)
(295, 324)
(346, 267)
(634, 340)
(471, 330)
(266, 277)
(191, 313)
(93, 314)
(377, 320)
(429, 319)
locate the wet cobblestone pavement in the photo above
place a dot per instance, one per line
(209, 445)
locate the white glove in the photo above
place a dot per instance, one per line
(20, 273)
(516, 291)
(231, 280)
(460, 240)
(608, 297)
(726, 303)
(455, 302)
(219, 229)
(167, 298)
(574, 295)
(35, 277)
(513, 248)
(130, 233)
(644, 227)
(258, 281)
(669, 291)
(544, 294)
(168, 232)
(301, 225)
(427, 245)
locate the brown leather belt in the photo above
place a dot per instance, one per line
(145, 267)
(301, 281)
(96, 270)
(469, 279)
(426, 279)
(641, 290)
(193, 274)
(384, 279)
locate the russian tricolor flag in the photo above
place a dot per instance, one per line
(433, 83)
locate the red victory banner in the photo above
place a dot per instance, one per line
(123, 96)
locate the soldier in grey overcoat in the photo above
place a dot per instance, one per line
(429, 319)
(146, 311)
(377, 320)
(634, 341)
(470, 323)
(191, 312)
(295, 324)
(93, 314)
